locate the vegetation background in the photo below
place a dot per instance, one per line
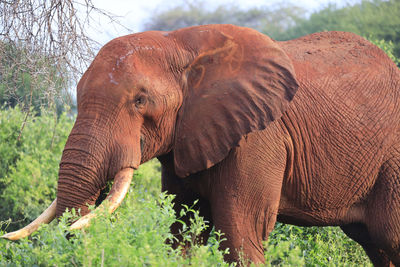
(37, 114)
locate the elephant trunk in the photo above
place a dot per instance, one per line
(93, 155)
(73, 194)
(82, 174)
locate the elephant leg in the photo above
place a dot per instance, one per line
(246, 190)
(244, 232)
(359, 233)
(383, 209)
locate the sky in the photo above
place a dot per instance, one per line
(133, 14)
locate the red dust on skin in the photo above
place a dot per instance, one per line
(304, 131)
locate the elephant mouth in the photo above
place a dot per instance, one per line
(115, 197)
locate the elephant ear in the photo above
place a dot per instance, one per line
(238, 82)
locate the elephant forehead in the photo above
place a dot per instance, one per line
(126, 63)
(118, 63)
(107, 78)
(111, 78)
(145, 45)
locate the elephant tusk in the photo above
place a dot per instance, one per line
(117, 194)
(46, 217)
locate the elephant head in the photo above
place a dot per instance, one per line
(195, 91)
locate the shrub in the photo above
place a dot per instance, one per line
(290, 245)
(29, 163)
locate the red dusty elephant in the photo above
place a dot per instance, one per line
(304, 132)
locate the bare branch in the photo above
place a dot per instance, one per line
(49, 45)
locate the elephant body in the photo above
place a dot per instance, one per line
(303, 131)
(331, 159)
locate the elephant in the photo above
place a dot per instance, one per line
(304, 132)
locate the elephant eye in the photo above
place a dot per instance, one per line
(140, 101)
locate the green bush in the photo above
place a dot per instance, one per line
(10, 125)
(290, 245)
(29, 163)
